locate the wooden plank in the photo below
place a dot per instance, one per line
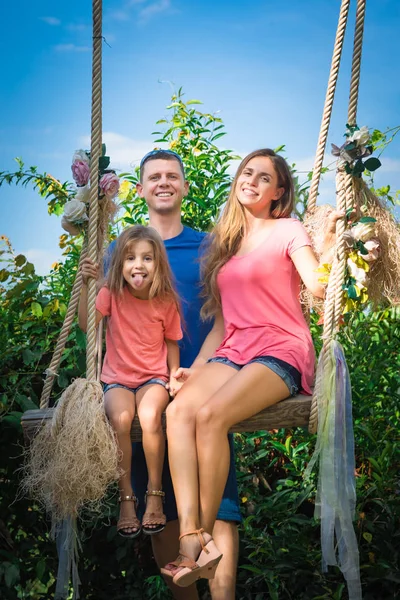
(293, 412)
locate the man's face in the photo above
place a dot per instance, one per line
(163, 186)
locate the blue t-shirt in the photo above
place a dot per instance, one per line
(184, 254)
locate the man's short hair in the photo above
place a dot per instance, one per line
(158, 153)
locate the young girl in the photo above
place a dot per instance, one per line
(141, 352)
(258, 353)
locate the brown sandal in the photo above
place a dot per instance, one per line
(125, 523)
(157, 519)
(190, 571)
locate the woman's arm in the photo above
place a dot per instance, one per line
(212, 341)
(306, 263)
(88, 269)
(210, 344)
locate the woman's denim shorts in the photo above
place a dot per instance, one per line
(110, 386)
(290, 375)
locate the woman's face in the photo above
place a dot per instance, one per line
(257, 185)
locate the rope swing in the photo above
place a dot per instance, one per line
(73, 454)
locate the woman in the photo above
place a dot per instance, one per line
(260, 345)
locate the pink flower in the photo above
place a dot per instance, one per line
(109, 184)
(80, 172)
(374, 249)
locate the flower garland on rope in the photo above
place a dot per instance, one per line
(362, 244)
(75, 217)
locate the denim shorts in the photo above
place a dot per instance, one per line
(229, 509)
(111, 386)
(290, 375)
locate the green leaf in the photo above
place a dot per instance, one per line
(36, 309)
(352, 292)
(104, 161)
(11, 575)
(194, 102)
(25, 403)
(367, 536)
(372, 163)
(367, 220)
(20, 260)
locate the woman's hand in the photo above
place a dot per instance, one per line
(89, 269)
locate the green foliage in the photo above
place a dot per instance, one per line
(280, 549)
(192, 134)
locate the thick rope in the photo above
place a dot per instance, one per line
(356, 64)
(51, 372)
(326, 116)
(345, 201)
(95, 153)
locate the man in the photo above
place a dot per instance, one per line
(163, 186)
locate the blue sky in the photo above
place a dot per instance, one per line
(263, 65)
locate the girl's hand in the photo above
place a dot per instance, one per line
(89, 269)
(174, 386)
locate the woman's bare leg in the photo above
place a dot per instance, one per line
(151, 402)
(250, 390)
(120, 410)
(182, 451)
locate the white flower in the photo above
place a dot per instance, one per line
(75, 211)
(360, 137)
(83, 193)
(363, 231)
(359, 274)
(81, 155)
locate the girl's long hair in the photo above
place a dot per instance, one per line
(225, 239)
(162, 287)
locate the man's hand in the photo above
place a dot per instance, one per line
(89, 269)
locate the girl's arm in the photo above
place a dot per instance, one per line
(173, 365)
(306, 263)
(88, 269)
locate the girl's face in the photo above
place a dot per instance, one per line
(257, 185)
(138, 268)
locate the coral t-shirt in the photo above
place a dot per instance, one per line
(135, 340)
(260, 303)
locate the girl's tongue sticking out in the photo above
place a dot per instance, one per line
(138, 280)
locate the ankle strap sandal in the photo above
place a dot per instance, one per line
(154, 522)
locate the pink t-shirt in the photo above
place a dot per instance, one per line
(135, 341)
(260, 303)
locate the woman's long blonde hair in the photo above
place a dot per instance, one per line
(225, 239)
(162, 287)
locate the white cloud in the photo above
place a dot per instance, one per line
(153, 9)
(71, 48)
(389, 165)
(51, 20)
(118, 15)
(125, 152)
(77, 27)
(42, 259)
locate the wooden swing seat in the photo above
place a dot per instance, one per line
(292, 412)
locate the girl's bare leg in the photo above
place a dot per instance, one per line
(182, 451)
(120, 410)
(250, 390)
(151, 402)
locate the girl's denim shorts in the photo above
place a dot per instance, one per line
(110, 386)
(290, 375)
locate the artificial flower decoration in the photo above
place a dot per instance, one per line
(356, 147)
(75, 216)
